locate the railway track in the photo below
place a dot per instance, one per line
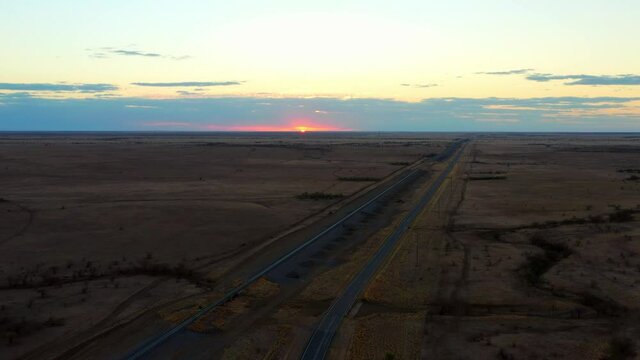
(149, 345)
(320, 341)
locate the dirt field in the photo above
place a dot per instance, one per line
(300, 312)
(98, 228)
(531, 251)
(538, 259)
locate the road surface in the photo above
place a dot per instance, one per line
(320, 340)
(145, 348)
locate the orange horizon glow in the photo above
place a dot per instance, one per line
(296, 126)
(301, 126)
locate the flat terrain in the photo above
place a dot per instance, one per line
(530, 249)
(97, 229)
(534, 253)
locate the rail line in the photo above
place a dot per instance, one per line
(320, 340)
(149, 345)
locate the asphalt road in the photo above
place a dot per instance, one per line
(320, 341)
(144, 349)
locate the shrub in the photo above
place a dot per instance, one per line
(629, 171)
(53, 321)
(620, 349)
(494, 177)
(538, 264)
(358, 178)
(602, 306)
(318, 196)
(621, 215)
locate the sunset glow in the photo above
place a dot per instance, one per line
(320, 65)
(295, 126)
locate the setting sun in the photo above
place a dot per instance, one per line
(301, 129)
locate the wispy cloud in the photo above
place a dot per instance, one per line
(140, 106)
(16, 95)
(572, 79)
(188, 93)
(189, 83)
(419, 85)
(107, 52)
(56, 87)
(135, 53)
(582, 79)
(507, 72)
(498, 121)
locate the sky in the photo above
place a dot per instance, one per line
(456, 65)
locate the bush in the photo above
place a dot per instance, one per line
(620, 349)
(53, 322)
(318, 196)
(629, 171)
(602, 306)
(493, 177)
(537, 265)
(623, 215)
(358, 178)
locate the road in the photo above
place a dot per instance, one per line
(154, 342)
(320, 341)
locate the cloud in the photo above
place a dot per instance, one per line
(189, 83)
(107, 52)
(135, 53)
(16, 95)
(582, 79)
(419, 85)
(55, 87)
(188, 93)
(490, 120)
(245, 113)
(507, 72)
(140, 106)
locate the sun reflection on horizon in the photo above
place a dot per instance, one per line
(294, 126)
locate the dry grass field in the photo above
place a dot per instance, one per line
(530, 249)
(538, 258)
(98, 228)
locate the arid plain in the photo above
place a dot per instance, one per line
(93, 226)
(530, 249)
